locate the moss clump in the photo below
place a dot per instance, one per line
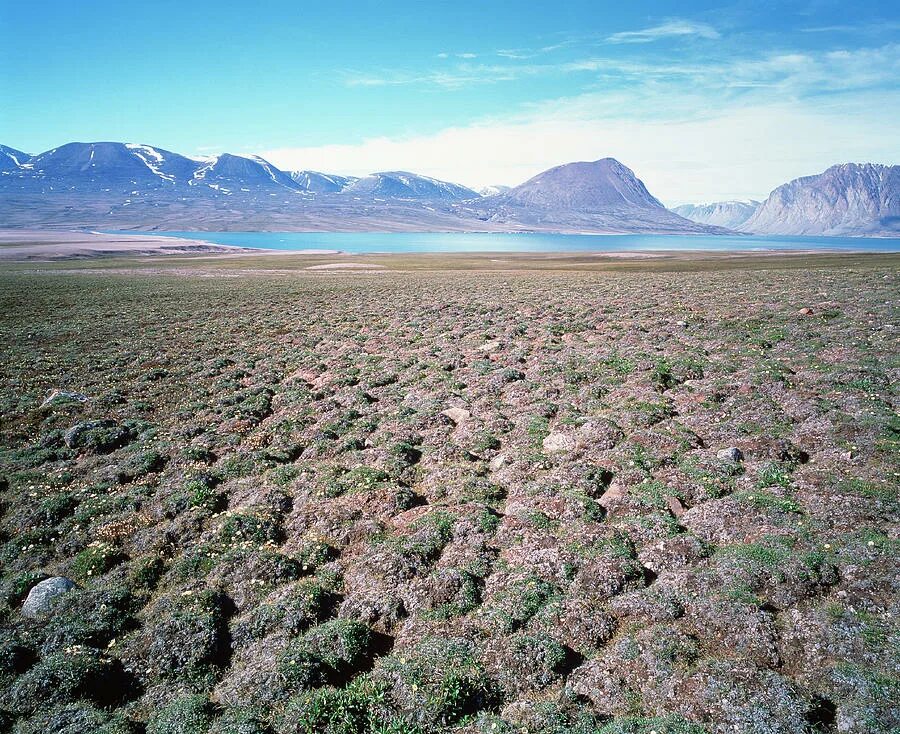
(519, 602)
(201, 492)
(428, 536)
(96, 560)
(293, 612)
(313, 554)
(77, 673)
(15, 657)
(240, 528)
(75, 718)
(329, 653)
(54, 509)
(239, 721)
(189, 642)
(186, 715)
(437, 683)
(89, 617)
(140, 464)
(145, 572)
(531, 662)
(359, 708)
(644, 725)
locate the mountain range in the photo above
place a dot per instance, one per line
(109, 185)
(730, 214)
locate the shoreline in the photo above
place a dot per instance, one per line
(40, 245)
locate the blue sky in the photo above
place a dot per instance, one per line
(702, 100)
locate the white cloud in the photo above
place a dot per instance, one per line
(669, 29)
(733, 129)
(736, 152)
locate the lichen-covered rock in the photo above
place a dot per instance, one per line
(42, 594)
(101, 436)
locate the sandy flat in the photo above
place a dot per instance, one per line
(345, 266)
(23, 244)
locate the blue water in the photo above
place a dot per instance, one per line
(368, 242)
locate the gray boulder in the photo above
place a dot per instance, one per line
(730, 454)
(61, 397)
(101, 436)
(41, 595)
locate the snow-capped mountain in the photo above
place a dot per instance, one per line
(132, 185)
(494, 190)
(136, 169)
(846, 199)
(405, 185)
(730, 214)
(241, 173)
(321, 183)
(12, 159)
(106, 166)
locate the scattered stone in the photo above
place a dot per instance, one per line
(57, 398)
(730, 454)
(614, 493)
(457, 415)
(41, 595)
(806, 311)
(674, 505)
(558, 442)
(497, 463)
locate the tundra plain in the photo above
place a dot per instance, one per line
(474, 493)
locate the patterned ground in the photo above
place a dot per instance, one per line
(451, 501)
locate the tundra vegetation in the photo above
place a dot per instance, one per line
(642, 499)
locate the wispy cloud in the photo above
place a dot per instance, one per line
(850, 28)
(787, 71)
(466, 55)
(669, 29)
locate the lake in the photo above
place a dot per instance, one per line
(394, 242)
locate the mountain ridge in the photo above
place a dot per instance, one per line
(846, 198)
(138, 186)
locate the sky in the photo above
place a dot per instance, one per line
(705, 101)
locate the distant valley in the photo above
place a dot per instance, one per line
(109, 185)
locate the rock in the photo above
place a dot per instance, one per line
(557, 442)
(60, 397)
(457, 415)
(674, 505)
(100, 435)
(614, 493)
(497, 463)
(806, 311)
(730, 454)
(39, 598)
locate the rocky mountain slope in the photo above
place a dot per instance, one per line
(405, 185)
(321, 183)
(585, 195)
(131, 186)
(11, 159)
(729, 214)
(847, 199)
